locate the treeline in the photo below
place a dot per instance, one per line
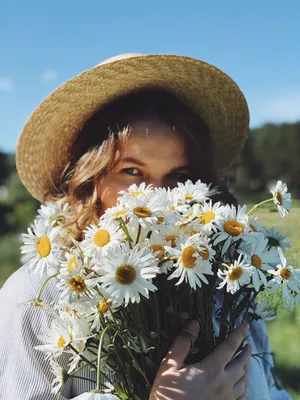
(272, 153)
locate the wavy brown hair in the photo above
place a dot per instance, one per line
(101, 143)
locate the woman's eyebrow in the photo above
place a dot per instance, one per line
(133, 160)
(183, 167)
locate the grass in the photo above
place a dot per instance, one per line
(284, 330)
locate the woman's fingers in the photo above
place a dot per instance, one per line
(241, 386)
(237, 367)
(223, 354)
(181, 346)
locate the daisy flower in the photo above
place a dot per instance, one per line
(145, 213)
(190, 266)
(207, 216)
(255, 226)
(128, 273)
(56, 338)
(237, 275)
(77, 284)
(98, 239)
(141, 191)
(115, 213)
(170, 234)
(72, 261)
(192, 192)
(157, 244)
(39, 250)
(96, 396)
(53, 211)
(104, 307)
(287, 277)
(282, 198)
(60, 374)
(276, 239)
(233, 227)
(262, 260)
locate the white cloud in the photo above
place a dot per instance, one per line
(49, 75)
(6, 84)
(279, 108)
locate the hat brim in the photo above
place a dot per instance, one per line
(44, 147)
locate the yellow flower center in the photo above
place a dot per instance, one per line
(157, 247)
(77, 284)
(187, 257)
(61, 341)
(104, 306)
(137, 193)
(253, 228)
(160, 220)
(142, 212)
(235, 273)
(189, 197)
(101, 238)
(233, 227)
(205, 253)
(125, 274)
(172, 239)
(256, 261)
(43, 246)
(285, 273)
(207, 217)
(278, 197)
(72, 263)
(119, 213)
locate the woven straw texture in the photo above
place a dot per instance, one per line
(45, 144)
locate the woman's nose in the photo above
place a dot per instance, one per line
(156, 182)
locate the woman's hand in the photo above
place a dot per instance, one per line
(216, 377)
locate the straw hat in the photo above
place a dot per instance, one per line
(44, 147)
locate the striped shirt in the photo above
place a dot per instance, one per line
(26, 375)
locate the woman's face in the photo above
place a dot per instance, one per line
(154, 154)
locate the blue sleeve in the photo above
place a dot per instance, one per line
(260, 337)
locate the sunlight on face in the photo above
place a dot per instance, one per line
(154, 154)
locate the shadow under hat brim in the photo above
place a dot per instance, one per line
(45, 145)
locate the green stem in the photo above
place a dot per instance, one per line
(102, 335)
(81, 356)
(157, 317)
(43, 286)
(137, 365)
(138, 234)
(84, 379)
(78, 369)
(77, 246)
(125, 229)
(259, 204)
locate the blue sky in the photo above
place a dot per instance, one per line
(45, 42)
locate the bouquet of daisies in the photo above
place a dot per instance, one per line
(157, 259)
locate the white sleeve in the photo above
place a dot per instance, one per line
(260, 336)
(24, 372)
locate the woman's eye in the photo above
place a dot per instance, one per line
(132, 171)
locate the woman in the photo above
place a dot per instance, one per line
(153, 119)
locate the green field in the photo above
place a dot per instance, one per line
(284, 332)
